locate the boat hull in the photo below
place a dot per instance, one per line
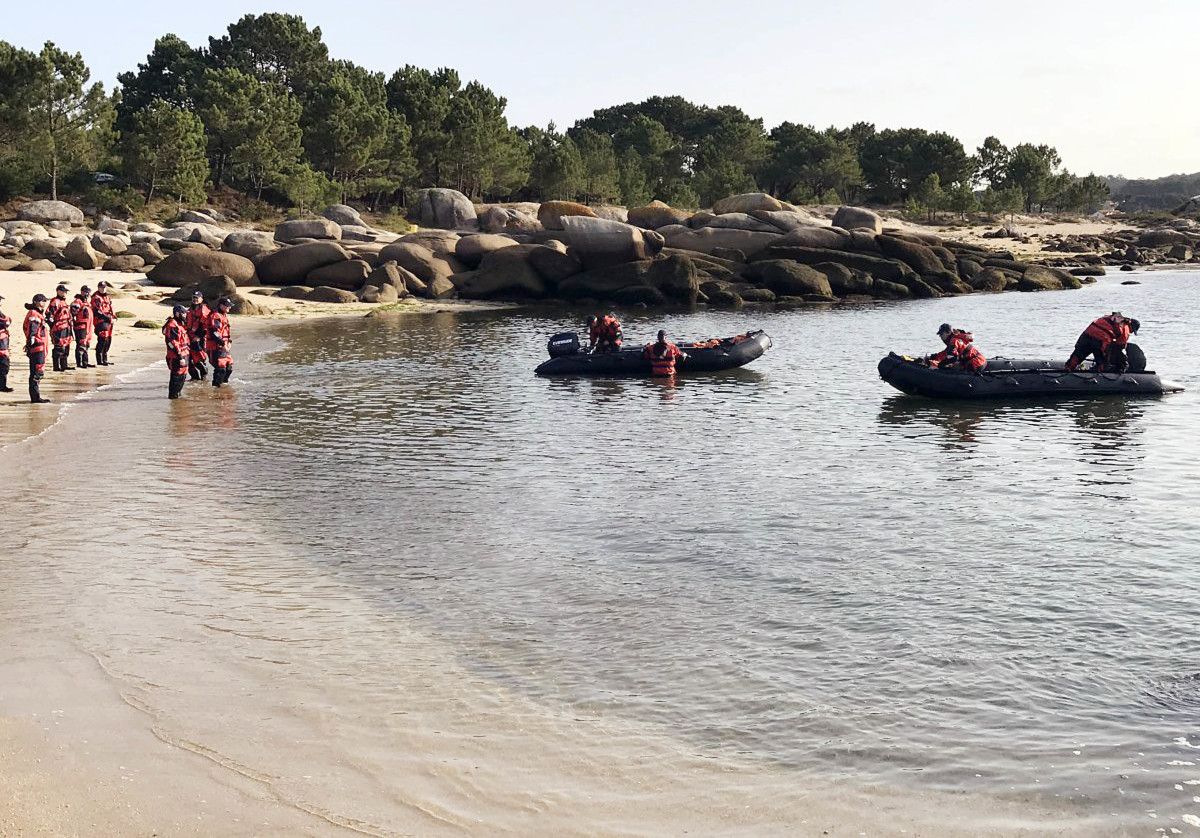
(630, 363)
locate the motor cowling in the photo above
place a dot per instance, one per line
(564, 343)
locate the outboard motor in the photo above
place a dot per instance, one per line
(564, 343)
(1137, 358)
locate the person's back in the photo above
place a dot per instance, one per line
(1105, 339)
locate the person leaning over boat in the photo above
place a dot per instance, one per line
(5, 325)
(82, 322)
(58, 317)
(662, 355)
(102, 310)
(960, 352)
(218, 341)
(1105, 339)
(37, 340)
(175, 334)
(604, 334)
(197, 327)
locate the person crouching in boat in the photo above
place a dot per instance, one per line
(662, 355)
(960, 352)
(604, 334)
(1105, 339)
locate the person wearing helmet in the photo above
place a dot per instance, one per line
(58, 319)
(102, 310)
(197, 326)
(604, 333)
(960, 352)
(218, 341)
(1105, 340)
(37, 340)
(5, 325)
(662, 355)
(175, 334)
(82, 323)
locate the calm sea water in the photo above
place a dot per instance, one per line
(790, 562)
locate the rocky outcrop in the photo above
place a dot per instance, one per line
(507, 220)
(831, 237)
(747, 203)
(445, 209)
(503, 274)
(551, 213)
(708, 239)
(349, 275)
(470, 250)
(857, 218)
(249, 243)
(327, 294)
(344, 215)
(598, 243)
(291, 265)
(424, 264)
(193, 264)
(80, 253)
(109, 245)
(307, 228)
(656, 214)
(791, 279)
(124, 262)
(45, 211)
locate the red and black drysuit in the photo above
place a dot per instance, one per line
(605, 334)
(218, 341)
(960, 353)
(197, 328)
(58, 318)
(37, 341)
(102, 311)
(82, 321)
(662, 357)
(1106, 339)
(176, 336)
(5, 325)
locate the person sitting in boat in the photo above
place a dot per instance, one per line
(960, 352)
(1105, 339)
(604, 334)
(662, 355)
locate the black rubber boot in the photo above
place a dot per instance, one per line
(35, 393)
(175, 387)
(4, 388)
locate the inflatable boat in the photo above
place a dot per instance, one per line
(1017, 378)
(567, 356)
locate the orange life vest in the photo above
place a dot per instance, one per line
(662, 358)
(1109, 329)
(961, 352)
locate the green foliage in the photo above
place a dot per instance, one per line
(164, 151)
(632, 180)
(483, 156)
(895, 161)
(679, 194)
(425, 100)
(172, 72)
(601, 174)
(1031, 169)
(308, 188)
(929, 196)
(110, 200)
(991, 162)
(807, 163)
(556, 167)
(1008, 200)
(275, 48)
(961, 198)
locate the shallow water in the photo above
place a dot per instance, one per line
(789, 564)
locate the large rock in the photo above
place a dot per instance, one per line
(989, 280)
(919, 257)
(656, 214)
(349, 275)
(844, 281)
(291, 265)
(888, 269)
(249, 243)
(207, 235)
(344, 216)
(790, 279)
(441, 288)
(597, 243)
(294, 292)
(673, 277)
(192, 264)
(857, 218)
(831, 237)
(197, 217)
(1155, 238)
(785, 220)
(551, 213)
(35, 265)
(124, 262)
(44, 211)
(708, 239)
(148, 251)
(612, 213)
(748, 202)
(389, 273)
(507, 220)
(446, 209)
(80, 253)
(378, 294)
(43, 249)
(553, 264)
(328, 294)
(504, 273)
(470, 250)
(27, 229)
(1037, 278)
(439, 242)
(307, 228)
(109, 245)
(739, 221)
(421, 261)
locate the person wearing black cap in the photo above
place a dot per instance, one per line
(662, 355)
(218, 342)
(5, 325)
(102, 311)
(37, 339)
(176, 335)
(58, 317)
(197, 327)
(960, 352)
(81, 323)
(1105, 340)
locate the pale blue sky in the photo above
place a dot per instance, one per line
(1110, 84)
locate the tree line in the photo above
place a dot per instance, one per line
(265, 110)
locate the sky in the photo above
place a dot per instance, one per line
(1109, 84)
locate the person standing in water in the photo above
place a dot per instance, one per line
(662, 355)
(58, 318)
(37, 340)
(219, 341)
(5, 338)
(102, 311)
(82, 323)
(175, 334)
(197, 328)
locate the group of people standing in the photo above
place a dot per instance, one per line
(51, 326)
(1106, 340)
(197, 337)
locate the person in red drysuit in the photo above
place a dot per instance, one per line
(37, 340)
(178, 342)
(58, 318)
(960, 352)
(82, 324)
(604, 334)
(218, 342)
(1105, 339)
(662, 356)
(102, 311)
(197, 328)
(5, 338)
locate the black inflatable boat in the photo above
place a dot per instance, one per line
(567, 357)
(1017, 378)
